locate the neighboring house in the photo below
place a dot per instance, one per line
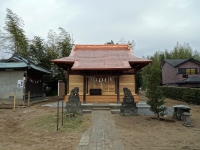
(103, 70)
(181, 72)
(19, 75)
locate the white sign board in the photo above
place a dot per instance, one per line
(20, 83)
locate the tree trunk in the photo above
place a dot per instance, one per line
(158, 116)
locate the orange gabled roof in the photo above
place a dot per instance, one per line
(101, 57)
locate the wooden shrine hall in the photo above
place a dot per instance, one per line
(101, 71)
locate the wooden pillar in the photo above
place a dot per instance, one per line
(84, 89)
(118, 96)
(67, 82)
(29, 98)
(14, 102)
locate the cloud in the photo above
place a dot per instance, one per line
(152, 24)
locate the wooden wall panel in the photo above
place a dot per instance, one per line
(124, 81)
(108, 87)
(102, 98)
(76, 81)
(127, 81)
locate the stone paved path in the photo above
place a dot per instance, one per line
(102, 135)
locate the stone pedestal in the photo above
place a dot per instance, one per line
(74, 107)
(128, 106)
(128, 99)
(73, 100)
(129, 109)
(186, 118)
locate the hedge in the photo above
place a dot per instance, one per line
(189, 95)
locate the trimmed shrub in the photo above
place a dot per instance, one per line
(189, 95)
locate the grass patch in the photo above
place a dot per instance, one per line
(48, 123)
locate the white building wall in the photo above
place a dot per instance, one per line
(9, 85)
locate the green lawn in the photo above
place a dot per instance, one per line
(48, 123)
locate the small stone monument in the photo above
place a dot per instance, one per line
(179, 110)
(186, 119)
(74, 105)
(128, 106)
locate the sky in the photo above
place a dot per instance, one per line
(154, 25)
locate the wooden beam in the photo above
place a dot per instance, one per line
(94, 72)
(118, 96)
(84, 88)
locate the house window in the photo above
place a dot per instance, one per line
(181, 71)
(185, 76)
(192, 71)
(187, 71)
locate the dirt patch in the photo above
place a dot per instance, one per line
(146, 132)
(135, 132)
(164, 119)
(25, 128)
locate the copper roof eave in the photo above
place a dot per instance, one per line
(62, 61)
(140, 61)
(139, 64)
(64, 66)
(81, 69)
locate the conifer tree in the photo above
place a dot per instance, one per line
(154, 93)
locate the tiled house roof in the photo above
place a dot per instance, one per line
(16, 62)
(192, 79)
(178, 62)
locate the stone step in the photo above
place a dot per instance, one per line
(115, 111)
(100, 108)
(87, 111)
